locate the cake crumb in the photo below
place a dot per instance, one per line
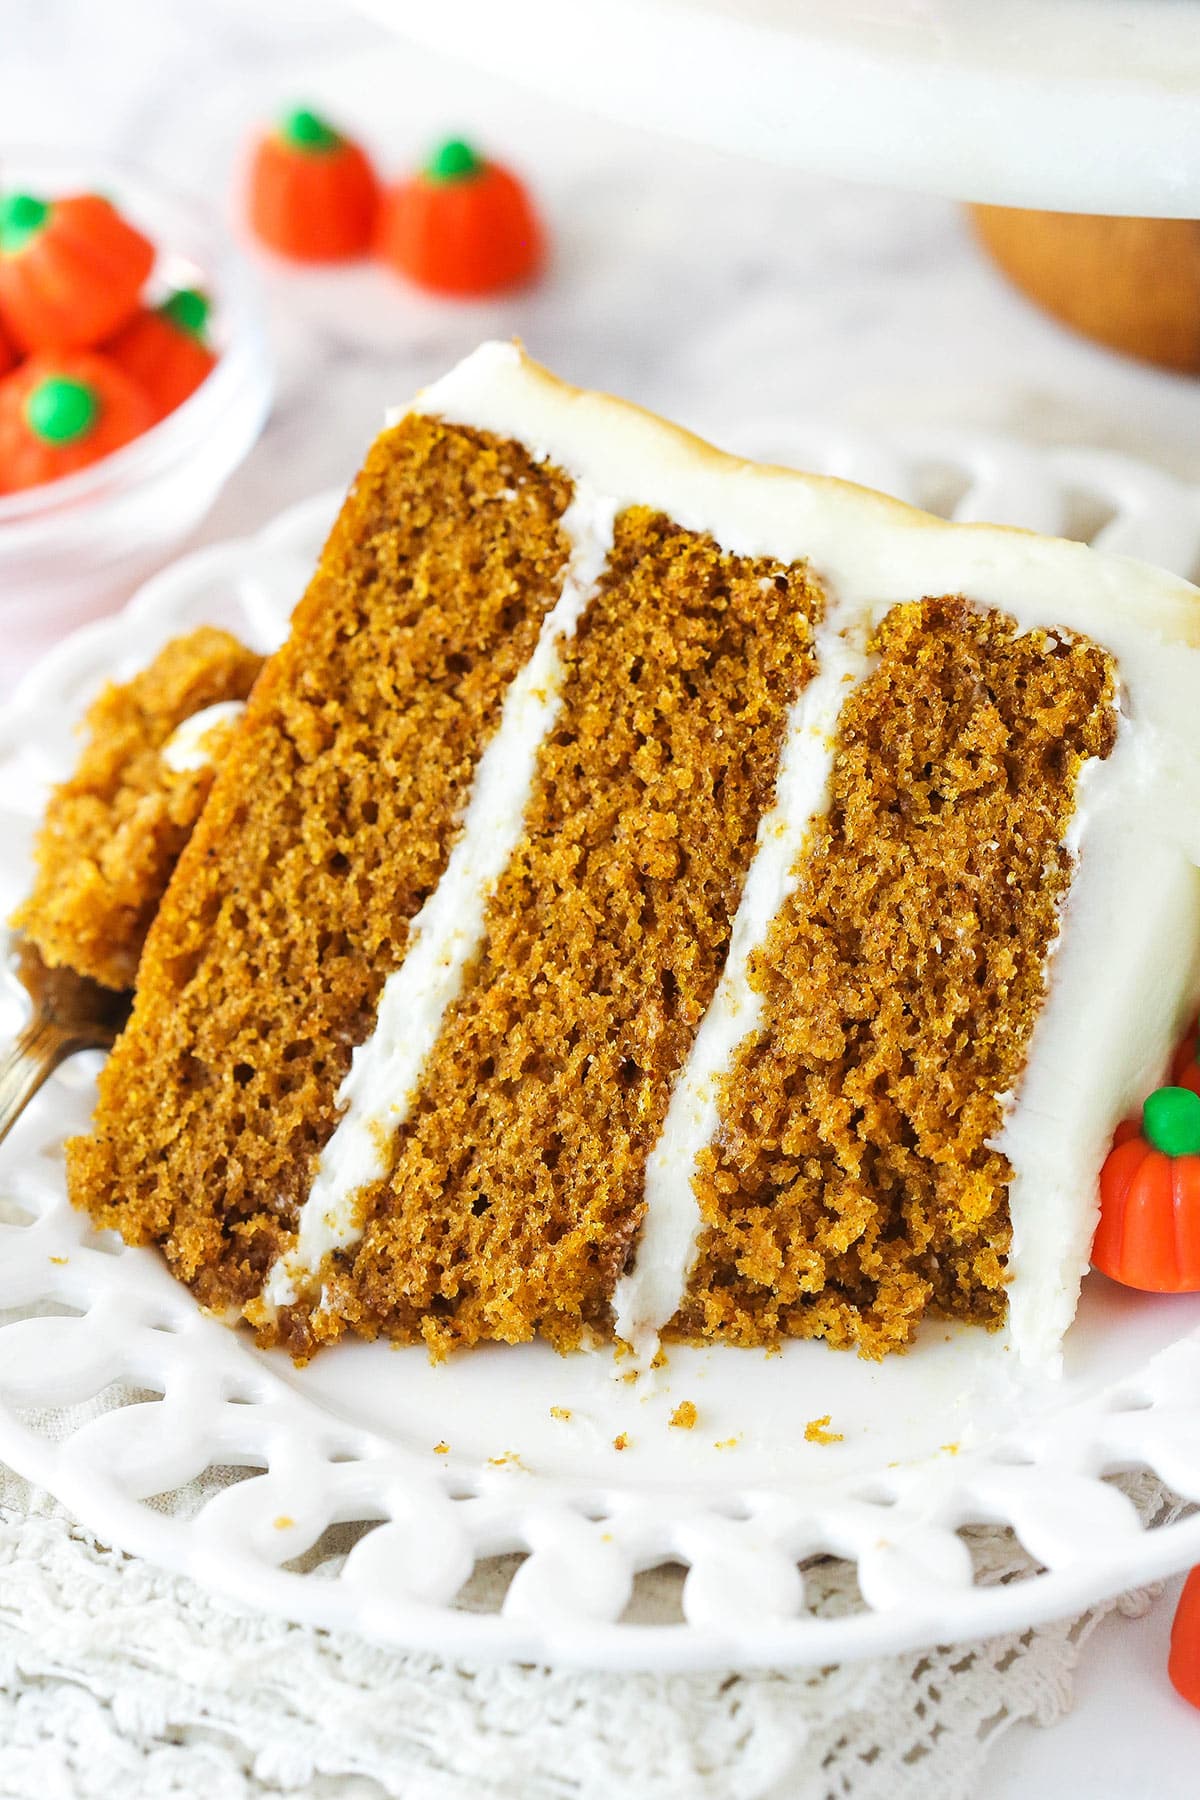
(284, 1522)
(60, 1261)
(659, 1359)
(560, 1412)
(442, 1449)
(950, 1449)
(729, 1443)
(621, 1442)
(684, 1415)
(817, 1432)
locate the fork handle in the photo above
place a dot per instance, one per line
(26, 1063)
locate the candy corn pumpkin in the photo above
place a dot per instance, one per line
(462, 226)
(71, 270)
(1149, 1231)
(313, 192)
(60, 412)
(164, 350)
(1183, 1663)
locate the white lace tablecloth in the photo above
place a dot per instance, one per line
(118, 1678)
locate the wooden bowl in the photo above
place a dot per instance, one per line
(1133, 284)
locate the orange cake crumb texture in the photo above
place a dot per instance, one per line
(114, 831)
(851, 1189)
(327, 828)
(817, 1431)
(517, 1184)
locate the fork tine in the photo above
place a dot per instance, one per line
(70, 1013)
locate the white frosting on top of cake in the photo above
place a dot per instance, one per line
(445, 935)
(188, 748)
(1123, 975)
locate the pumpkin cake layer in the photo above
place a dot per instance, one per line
(114, 831)
(854, 1185)
(328, 826)
(516, 1190)
(651, 893)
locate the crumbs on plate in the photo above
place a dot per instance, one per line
(817, 1432)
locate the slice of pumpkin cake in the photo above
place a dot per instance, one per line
(651, 894)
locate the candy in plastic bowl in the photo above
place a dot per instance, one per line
(73, 548)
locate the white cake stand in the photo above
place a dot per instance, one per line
(1079, 105)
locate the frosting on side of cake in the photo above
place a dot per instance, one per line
(1123, 984)
(446, 933)
(189, 747)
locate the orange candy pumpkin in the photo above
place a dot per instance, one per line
(71, 270)
(61, 412)
(1183, 1663)
(461, 226)
(314, 195)
(1149, 1231)
(164, 350)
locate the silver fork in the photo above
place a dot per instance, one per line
(70, 1013)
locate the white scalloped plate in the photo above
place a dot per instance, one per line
(366, 1490)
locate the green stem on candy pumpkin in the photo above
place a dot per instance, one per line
(187, 310)
(453, 161)
(22, 216)
(61, 411)
(1171, 1121)
(308, 131)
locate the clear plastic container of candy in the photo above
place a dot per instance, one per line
(75, 547)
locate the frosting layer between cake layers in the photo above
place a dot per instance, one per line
(188, 747)
(446, 933)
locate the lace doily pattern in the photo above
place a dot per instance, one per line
(116, 1677)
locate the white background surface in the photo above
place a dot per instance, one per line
(719, 292)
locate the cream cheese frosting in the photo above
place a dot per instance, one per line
(187, 748)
